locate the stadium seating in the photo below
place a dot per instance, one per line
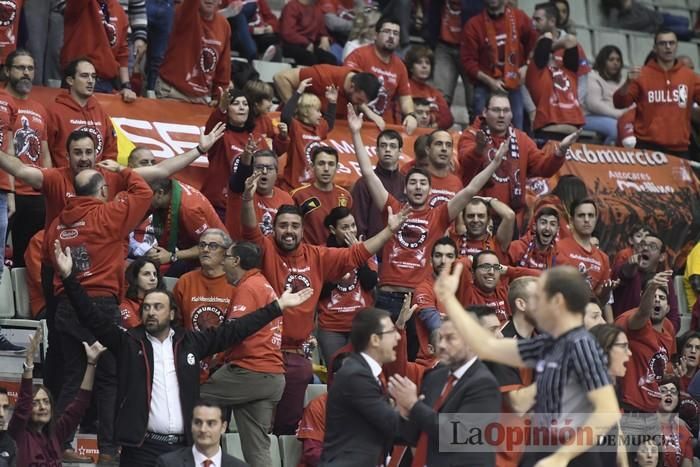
(7, 299)
(232, 446)
(21, 295)
(290, 449)
(313, 391)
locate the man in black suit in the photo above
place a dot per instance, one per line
(460, 385)
(208, 425)
(360, 422)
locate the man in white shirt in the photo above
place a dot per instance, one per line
(208, 425)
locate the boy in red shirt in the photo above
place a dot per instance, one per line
(318, 199)
(381, 60)
(304, 34)
(198, 60)
(307, 128)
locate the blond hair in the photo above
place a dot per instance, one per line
(307, 102)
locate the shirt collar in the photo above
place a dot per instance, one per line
(373, 365)
(153, 339)
(199, 458)
(459, 372)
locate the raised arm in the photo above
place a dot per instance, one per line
(504, 234)
(459, 202)
(175, 164)
(374, 185)
(286, 82)
(28, 174)
(646, 305)
(394, 222)
(248, 216)
(485, 344)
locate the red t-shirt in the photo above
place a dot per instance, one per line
(8, 116)
(554, 90)
(443, 189)
(8, 27)
(313, 422)
(198, 60)
(265, 211)
(651, 355)
(469, 247)
(316, 205)
(323, 76)
(439, 110)
(594, 264)
(392, 76)
(524, 253)
(304, 138)
(406, 256)
(451, 22)
(29, 131)
(129, 310)
(260, 351)
(347, 297)
(302, 24)
(32, 260)
(678, 443)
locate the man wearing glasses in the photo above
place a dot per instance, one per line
(487, 283)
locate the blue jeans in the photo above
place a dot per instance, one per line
(606, 126)
(481, 93)
(392, 302)
(160, 22)
(240, 33)
(330, 342)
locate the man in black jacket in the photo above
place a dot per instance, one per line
(158, 366)
(360, 423)
(460, 385)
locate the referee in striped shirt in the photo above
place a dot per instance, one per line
(573, 387)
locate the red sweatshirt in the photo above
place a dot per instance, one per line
(306, 266)
(95, 230)
(198, 60)
(87, 33)
(302, 24)
(65, 115)
(664, 104)
(438, 105)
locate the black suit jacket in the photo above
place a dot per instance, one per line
(183, 458)
(476, 392)
(360, 423)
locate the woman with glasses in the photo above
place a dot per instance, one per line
(678, 441)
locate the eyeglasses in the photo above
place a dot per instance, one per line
(500, 110)
(390, 32)
(209, 246)
(388, 331)
(486, 267)
(622, 345)
(264, 167)
(228, 256)
(23, 68)
(666, 391)
(651, 246)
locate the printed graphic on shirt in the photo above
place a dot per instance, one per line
(79, 253)
(315, 142)
(297, 281)
(655, 371)
(206, 317)
(208, 60)
(378, 105)
(310, 205)
(410, 252)
(26, 140)
(8, 15)
(99, 140)
(668, 96)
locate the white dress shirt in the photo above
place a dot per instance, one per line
(199, 458)
(374, 366)
(459, 372)
(165, 413)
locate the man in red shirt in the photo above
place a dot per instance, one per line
(304, 34)
(29, 134)
(318, 199)
(96, 231)
(198, 60)
(444, 184)
(471, 234)
(381, 60)
(180, 214)
(98, 30)
(652, 342)
(495, 44)
(288, 262)
(664, 91)
(357, 88)
(268, 197)
(252, 378)
(577, 250)
(537, 248)
(523, 160)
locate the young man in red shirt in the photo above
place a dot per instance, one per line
(471, 234)
(444, 184)
(95, 229)
(381, 60)
(198, 60)
(664, 91)
(320, 197)
(537, 248)
(288, 262)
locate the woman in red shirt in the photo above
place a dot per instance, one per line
(142, 275)
(419, 63)
(677, 440)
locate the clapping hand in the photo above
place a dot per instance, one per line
(64, 260)
(290, 299)
(395, 221)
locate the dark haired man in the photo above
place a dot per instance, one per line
(537, 248)
(444, 184)
(472, 234)
(572, 379)
(288, 262)
(360, 422)
(155, 417)
(317, 199)
(8, 449)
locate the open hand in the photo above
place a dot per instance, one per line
(354, 119)
(93, 352)
(64, 261)
(289, 299)
(208, 140)
(395, 221)
(447, 281)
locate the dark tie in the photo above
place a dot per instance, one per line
(421, 456)
(382, 382)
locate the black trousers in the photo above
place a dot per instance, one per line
(72, 334)
(147, 454)
(28, 220)
(306, 58)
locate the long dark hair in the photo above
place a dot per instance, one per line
(132, 276)
(601, 60)
(249, 124)
(48, 428)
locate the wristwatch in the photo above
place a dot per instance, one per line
(173, 257)
(27, 367)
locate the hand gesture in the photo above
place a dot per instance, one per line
(568, 141)
(303, 85)
(680, 369)
(410, 123)
(354, 120)
(289, 299)
(128, 95)
(404, 392)
(481, 142)
(395, 221)
(332, 94)
(33, 347)
(283, 129)
(661, 279)
(159, 255)
(497, 85)
(500, 154)
(407, 311)
(110, 165)
(64, 260)
(93, 352)
(447, 282)
(351, 239)
(251, 184)
(634, 73)
(633, 259)
(208, 140)
(224, 100)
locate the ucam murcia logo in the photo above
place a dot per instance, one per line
(26, 141)
(8, 12)
(411, 234)
(99, 140)
(208, 59)
(297, 282)
(206, 317)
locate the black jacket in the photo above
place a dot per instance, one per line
(360, 423)
(134, 355)
(183, 458)
(475, 393)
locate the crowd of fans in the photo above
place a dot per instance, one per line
(271, 264)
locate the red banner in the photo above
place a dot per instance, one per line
(631, 185)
